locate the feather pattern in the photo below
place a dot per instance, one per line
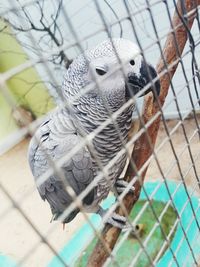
(63, 130)
(55, 138)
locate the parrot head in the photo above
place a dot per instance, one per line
(114, 69)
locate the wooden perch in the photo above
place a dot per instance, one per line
(142, 150)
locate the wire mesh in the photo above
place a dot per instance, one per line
(52, 34)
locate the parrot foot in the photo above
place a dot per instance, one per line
(121, 185)
(115, 219)
(121, 222)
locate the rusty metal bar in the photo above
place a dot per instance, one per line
(143, 149)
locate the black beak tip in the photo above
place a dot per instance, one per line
(135, 83)
(150, 74)
(156, 90)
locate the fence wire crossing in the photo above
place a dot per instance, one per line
(167, 34)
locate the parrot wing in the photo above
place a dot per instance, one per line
(54, 140)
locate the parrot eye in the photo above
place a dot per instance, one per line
(132, 62)
(100, 72)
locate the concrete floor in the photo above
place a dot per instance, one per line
(18, 238)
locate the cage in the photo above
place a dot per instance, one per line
(39, 40)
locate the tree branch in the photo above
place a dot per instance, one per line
(48, 29)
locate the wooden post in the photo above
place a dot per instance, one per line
(142, 150)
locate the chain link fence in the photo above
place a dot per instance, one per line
(38, 42)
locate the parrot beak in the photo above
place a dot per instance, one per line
(135, 84)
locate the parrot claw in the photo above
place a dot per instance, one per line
(121, 222)
(115, 219)
(121, 185)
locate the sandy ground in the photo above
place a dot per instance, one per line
(19, 240)
(17, 237)
(180, 157)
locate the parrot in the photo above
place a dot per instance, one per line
(97, 84)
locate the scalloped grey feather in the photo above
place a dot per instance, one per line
(64, 128)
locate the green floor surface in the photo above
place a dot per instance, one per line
(131, 246)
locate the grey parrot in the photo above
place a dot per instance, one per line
(64, 128)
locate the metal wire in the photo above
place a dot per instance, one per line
(176, 127)
(87, 139)
(167, 204)
(186, 116)
(67, 187)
